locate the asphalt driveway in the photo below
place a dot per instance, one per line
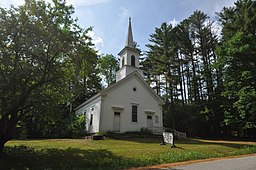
(243, 163)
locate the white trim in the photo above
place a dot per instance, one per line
(105, 91)
(117, 108)
(149, 112)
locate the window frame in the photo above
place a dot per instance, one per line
(133, 62)
(134, 113)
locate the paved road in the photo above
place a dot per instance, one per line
(244, 163)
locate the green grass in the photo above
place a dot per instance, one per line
(111, 153)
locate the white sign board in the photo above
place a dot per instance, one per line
(168, 137)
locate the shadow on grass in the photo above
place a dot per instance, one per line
(136, 137)
(22, 157)
(213, 142)
(147, 138)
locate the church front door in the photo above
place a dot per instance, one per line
(149, 123)
(116, 122)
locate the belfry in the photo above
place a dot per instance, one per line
(129, 57)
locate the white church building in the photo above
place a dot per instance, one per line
(130, 104)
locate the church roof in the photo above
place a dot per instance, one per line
(105, 91)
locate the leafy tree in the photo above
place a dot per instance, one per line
(84, 81)
(38, 43)
(108, 65)
(238, 51)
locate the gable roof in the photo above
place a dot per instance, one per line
(105, 91)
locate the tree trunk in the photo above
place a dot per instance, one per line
(1, 147)
(7, 132)
(195, 81)
(2, 143)
(184, 85)
(180, 72)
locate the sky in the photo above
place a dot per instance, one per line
(109, 18)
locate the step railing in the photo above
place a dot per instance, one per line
(177, 134)
(180, 135)
(158, 130)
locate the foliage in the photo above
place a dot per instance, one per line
(237, 51)
(182, 67)
(76, 126)
(208, 83)
(39, 49)
(108, 65)
(48, 67)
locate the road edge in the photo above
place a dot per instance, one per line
(175, 164)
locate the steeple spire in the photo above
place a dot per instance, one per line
(129, 57)
(129, 38)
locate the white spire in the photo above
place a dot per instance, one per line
(129, 57)
(129, 38)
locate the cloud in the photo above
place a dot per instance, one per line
(124, 14)
(86, 2)
(216, 27)
(8, 3)
(210, 7)
(219, 4)
(216, 6)
(174, 22)
(97, 41)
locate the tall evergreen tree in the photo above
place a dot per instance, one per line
(162, 54)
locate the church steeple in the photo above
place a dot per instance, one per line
(129, 38)
(129, 57)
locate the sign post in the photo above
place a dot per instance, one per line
(169, 139)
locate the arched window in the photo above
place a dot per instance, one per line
(133, 60)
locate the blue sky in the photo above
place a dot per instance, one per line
(110, 17)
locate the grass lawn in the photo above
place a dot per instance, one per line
(112, 153)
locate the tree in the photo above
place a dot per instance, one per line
(238, 51)
(38, 43)
(84, 79)
(162, 55)
(199, 70)
(182, 67)
(108, 65)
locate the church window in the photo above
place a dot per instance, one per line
(91, 119)
(134, 113)
(133, 60)
(122, 61)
